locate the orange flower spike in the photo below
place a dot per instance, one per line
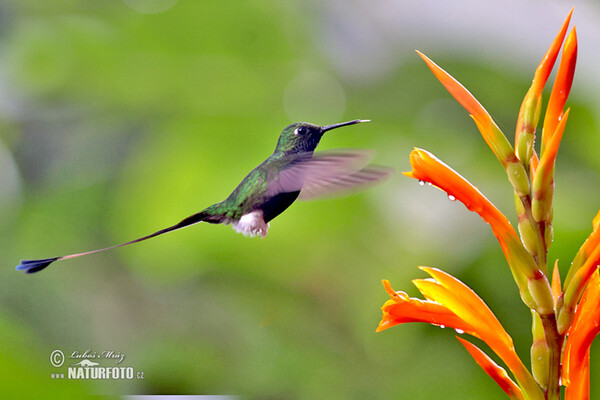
(496, 372)
(486, 125)
(530, 108)
(560, 89)
(402, 309)
(543, 181)
(576, 355)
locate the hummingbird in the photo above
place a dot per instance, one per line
(293, 171)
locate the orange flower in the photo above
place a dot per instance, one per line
(533, 284)
(556, 289)
(584, 265)
(546, 163)
(401, 309)
(427, 167)
(576, 356)
(534, 95)
(493, 136)
(496, 372)
(543, 180)
(554, 125)
(561, 88)
(488, 128)
(449, 302)
(592, 242)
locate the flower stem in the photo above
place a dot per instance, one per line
(543, 260)
(555, 342)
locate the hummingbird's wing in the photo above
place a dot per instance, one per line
(341, 185)
(327, 173)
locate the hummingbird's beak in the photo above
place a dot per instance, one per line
(330, 127)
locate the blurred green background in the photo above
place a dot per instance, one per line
(120, 117)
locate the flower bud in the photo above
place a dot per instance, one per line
(540, 353)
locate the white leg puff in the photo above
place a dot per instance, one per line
(252, 224)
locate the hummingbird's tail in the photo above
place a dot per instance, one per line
(31, 266)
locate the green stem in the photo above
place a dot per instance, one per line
(555, 343)
(543, 260)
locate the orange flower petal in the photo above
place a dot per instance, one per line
(582, 277)
(449, 302)
(543, 180)
(549, 154)
(496, 372)
(543, 70)
(556, 289)
(464, 302)
(427, 167)
(560, 89)
(402, 309)
(534, 163)
(488, 128)
(592, 241)
(528, 117)
(579, 389)
(585, 327)
(596, 221)
(458, 91)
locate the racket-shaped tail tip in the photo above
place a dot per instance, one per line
(31, 266)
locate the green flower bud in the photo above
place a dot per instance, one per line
(540, 353)
(541, 293)
(529, 236)
(518, 177)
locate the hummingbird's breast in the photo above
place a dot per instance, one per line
(252, 195)
(277, 204)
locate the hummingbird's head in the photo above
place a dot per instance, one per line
(304, 137)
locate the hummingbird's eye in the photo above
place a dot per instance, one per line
(301, 130)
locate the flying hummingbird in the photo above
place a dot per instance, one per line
(292, 171)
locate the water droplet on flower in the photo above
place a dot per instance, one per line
(442, 326)
(459, 331)
(429, 184)
(422, 183)
(451, 197)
